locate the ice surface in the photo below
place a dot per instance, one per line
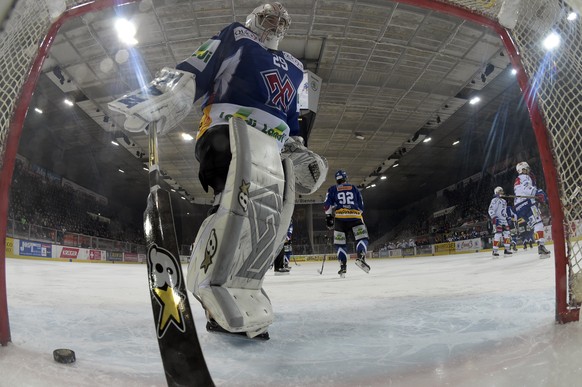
(459, 320)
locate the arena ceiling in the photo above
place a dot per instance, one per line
(393, 75)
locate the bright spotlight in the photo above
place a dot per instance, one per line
(187, 137)
(551, 41)
(474, 100)
(126, 31)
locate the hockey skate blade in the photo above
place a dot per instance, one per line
(365, 267)
(64, 356)
(213, 327)
(282, 273)
(544, 256)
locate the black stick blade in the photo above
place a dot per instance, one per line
(180, 350)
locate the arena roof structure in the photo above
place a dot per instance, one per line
(397, 81)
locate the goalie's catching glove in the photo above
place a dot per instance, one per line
(329, 222)
(167, 99)
(310, 168)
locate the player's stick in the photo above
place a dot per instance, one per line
(182, 357)
(295, 260)
(320, 271)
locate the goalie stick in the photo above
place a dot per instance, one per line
(182, 357)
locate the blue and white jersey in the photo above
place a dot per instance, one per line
(524, 186)
(347, 201)
(238, 76)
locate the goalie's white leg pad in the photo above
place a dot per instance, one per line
(235, 246)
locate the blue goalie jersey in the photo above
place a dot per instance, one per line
(238, 76)
(347, 201)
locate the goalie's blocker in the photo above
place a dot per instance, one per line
(167, 99)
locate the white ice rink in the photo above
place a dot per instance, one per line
(462, 320)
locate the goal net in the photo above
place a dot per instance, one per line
(549, 81)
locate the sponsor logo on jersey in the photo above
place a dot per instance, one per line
(278, 132)
(202, 56)
(281, 90)
(344, 187)
(347, 213)
(243, 33)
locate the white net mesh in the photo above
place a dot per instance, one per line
(28, 23)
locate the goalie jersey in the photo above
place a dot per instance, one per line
(236, 75)
(347, 201)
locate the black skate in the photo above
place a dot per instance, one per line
(213, 327)
(342, 271)
(543, 252)
(282, 271)
(507, 252)
(495, 254)
(361, 263)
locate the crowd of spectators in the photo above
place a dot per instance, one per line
(49, 210)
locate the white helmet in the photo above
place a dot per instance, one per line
(521, 166)
(270, 22)
(498, 191)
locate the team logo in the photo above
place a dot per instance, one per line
(165, 281)
(209, 251)
(281, 91)
(243, 195)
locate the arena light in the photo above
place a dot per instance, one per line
(120, 170)
(126, 31)
(114, 142)
(68, 102)
(428, 139)
(456, 142)
(474, 100)
(187, 137)
(552, 41)
(383, 177)
(38, 110)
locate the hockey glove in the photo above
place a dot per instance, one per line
(329, 222)
(310, 168)
(541, 196)
(167, 99)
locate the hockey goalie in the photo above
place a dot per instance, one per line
(249, 154)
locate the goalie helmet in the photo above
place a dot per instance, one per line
(341, 176)
(498, 191)
(521, 166)
(270, 23)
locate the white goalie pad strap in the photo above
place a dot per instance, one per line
(310, 168)
(235, 246)
(167, 99)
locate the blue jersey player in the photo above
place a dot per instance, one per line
(344, 207)
(248, 149)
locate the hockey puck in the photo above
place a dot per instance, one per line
(65, 356)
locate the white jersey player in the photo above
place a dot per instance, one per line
(498, 214)
(528, 195)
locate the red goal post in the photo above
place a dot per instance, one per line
(549, 83)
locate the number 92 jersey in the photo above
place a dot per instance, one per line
(347, 201)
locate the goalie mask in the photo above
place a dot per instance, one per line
(521, 166)
(270, 23)
(498, 191)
